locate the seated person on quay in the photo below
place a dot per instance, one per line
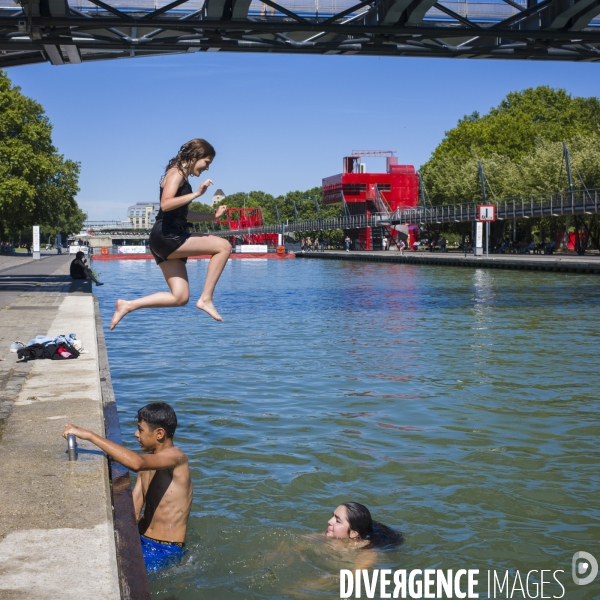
(80, 270)
(163, 488)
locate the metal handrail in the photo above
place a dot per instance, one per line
(534, 206)
(559, 204)
(72, 446)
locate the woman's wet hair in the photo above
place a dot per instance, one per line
(377, 534)
(159, 414)
(189, 153)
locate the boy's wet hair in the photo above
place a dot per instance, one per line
(159, 414)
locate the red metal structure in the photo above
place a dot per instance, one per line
(246, 218)
(364, 193)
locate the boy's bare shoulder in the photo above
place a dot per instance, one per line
(178, 455)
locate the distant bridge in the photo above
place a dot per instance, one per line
(580, 202)
(561, 204)
(73, 31)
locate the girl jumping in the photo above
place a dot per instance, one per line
(170, 240)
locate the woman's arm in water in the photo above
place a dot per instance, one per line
(170, 184)
(328, 583)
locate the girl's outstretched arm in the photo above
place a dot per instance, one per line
(195, 217)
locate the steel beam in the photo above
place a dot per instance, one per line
(547, 30)
(561, 12)
(404, 31)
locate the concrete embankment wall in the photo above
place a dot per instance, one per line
(57, 526)
(56, 518)
(570, 264)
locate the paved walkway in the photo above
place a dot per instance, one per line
(30, 294)
(21, 258)
(56, 524)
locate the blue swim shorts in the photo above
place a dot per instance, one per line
(160, 555)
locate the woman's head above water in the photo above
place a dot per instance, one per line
(353, 521)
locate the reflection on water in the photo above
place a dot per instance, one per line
(460, 405)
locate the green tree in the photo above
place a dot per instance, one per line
(201, 208)
(512, 127)
(306, 205)
(542, 170)
(519, 144)
(37, 184)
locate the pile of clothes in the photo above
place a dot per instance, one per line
(61, 347)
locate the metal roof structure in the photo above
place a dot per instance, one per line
(72, 31)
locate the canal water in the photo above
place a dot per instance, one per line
(462, 406)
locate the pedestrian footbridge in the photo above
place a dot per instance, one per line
(560, 204)
(578, 203)
(73, 31)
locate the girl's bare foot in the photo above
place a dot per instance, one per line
(120, 311)
(208, 307)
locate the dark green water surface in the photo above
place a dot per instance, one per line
(461, 406)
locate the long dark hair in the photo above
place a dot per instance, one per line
(191, 152)
(377, 534)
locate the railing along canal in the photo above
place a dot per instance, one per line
(560, 204)
(580, 202)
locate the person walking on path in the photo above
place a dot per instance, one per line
(347, 241)
(171, 243)
(384, 243)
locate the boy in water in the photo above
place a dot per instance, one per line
(163, 487)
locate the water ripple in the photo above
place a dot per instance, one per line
(460, 405)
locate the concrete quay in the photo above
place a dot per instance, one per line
(57, 526)
(555, 262)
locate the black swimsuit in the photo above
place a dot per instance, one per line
(170, 229)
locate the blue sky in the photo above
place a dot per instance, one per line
(278, 122)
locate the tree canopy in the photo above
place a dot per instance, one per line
(306, 205)
(519, 143)
(37, 184)
(200, 207)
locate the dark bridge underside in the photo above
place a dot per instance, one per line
(62, 33)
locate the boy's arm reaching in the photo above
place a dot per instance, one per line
(128, 458)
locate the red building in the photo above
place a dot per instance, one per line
(235, 219)
(365, 193)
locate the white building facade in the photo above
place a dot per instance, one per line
(142, 215)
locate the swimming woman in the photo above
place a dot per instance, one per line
(352, 540)
(171, 242)
(353, 521)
